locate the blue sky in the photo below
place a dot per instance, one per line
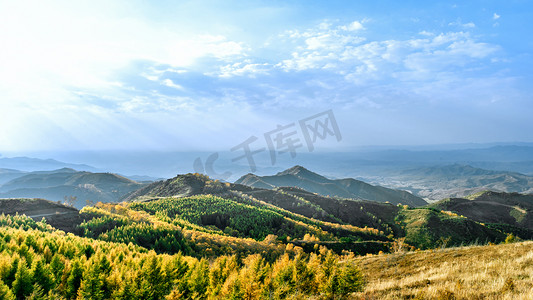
(206, 75)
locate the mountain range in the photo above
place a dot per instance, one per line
(69, 185)
(456, 180)
(423, 227)
(29, 164)
(300, 177)
(195, 229)
(9, 174)
(340, 209)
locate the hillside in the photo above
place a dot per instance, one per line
(428, 228)
(510, 210)
(220, 211)
(344, 188)
(39, 262)
(423, 228)
(475, 272)
(58, 215)
(179, 186)
(58, 184)
(457, 180)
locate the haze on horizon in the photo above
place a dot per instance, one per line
(206, 75)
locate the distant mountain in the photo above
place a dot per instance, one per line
(58, 184)
(34, 164)
(142, 178)
(299, 176)
(457, 180)
(502, 153)
(9, 174)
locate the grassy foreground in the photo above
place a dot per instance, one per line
(476, 272)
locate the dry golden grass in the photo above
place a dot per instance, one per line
(475, 272)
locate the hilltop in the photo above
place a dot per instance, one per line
(299, 176)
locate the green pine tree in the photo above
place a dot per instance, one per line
(41, 274)
(199, 279)
(57, 266)
(22, 286)
(74, 279)
(351, 279)
(91, 286)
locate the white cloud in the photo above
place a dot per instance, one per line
(354, 26)
(336, 50)
(426, 33)
(244, 68)
(321, 47)
(171, 84)
(459, 23)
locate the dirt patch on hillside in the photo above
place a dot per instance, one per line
(58, 215)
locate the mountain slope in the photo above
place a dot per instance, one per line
(427, 228)
(58, 215)
(423, 228)
(345, 188)
(511, 209)
(58, 184)
(358, 213)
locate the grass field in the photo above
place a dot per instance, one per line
(475, 272)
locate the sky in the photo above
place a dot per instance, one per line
(208, 75)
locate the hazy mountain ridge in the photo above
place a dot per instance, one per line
(58, 184)
(457, 180)
(300, 177)
(30, 164)
(9, 174)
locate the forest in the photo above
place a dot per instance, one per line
(39, 262)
